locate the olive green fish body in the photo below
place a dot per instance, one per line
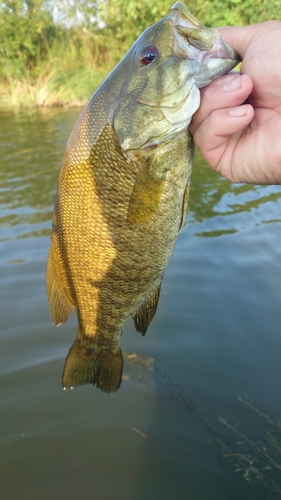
(107, 264)
(123, 193)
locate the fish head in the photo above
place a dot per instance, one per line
(162, 74)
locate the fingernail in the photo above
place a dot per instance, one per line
(226, 78)
(233, 85)
(240, 111)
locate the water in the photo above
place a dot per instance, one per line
(216, 333)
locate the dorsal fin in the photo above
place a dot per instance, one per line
(59, 304)
(145, 313)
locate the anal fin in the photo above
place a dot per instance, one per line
(184, 204)
(143, 316)
(60, 304)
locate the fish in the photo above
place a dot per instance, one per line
(123, 190)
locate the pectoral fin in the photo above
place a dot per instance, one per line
(60, 305)
(146, 196)
(145, 313)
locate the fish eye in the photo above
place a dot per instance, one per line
(148, 55)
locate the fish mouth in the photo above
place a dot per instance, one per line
(205, 45)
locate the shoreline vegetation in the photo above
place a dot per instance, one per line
(56, 53)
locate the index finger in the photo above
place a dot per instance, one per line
(228, 91)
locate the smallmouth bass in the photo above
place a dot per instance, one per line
(123, 191)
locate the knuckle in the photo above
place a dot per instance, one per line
(208, 97)
(215, 120)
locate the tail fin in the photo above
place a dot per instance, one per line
(86, 364)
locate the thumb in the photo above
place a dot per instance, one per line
(240, 37)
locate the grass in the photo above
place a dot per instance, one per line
(253, 447)
(53, 87)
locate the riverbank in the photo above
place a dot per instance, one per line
(55, 89)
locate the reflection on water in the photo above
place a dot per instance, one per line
(216, 334)
(31, 153)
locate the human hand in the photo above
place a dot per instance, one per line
(243, 141)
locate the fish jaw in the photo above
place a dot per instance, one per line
(205, 45)
(202, 44)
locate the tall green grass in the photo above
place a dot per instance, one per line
(55, 86)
